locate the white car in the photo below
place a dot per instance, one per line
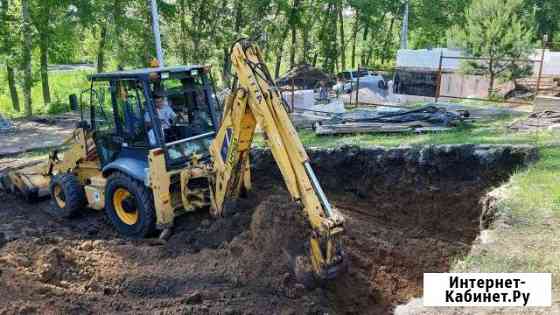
(368, 79)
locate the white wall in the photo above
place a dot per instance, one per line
(428, 58)
(551, 65)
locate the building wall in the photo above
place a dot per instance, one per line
(459, 85)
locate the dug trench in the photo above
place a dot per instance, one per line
(408, 211)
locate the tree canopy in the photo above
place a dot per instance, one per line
(498, 31)
(330, 34)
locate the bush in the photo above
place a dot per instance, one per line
(58, 107)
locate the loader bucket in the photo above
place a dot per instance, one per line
(30, 182)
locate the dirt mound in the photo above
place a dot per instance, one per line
(278, 227)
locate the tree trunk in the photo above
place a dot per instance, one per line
(236, 27)
(13, 89)
(101, 48)
(364, 39)
(293, 47)
(293, 23)
(183, 25)
(492, 77)
(44, 50)
(278, 62)
(305, 45)
(330, 41)
(375, 38)
(148, 39)
(27, 48)
(342, 40)
(280, 53)
(355, 37)
(118, 21)
(387, 39)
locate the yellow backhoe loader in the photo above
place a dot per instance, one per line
(151, 145)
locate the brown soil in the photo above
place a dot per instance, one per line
(403, 218)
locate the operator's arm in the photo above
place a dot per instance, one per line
(256, 100)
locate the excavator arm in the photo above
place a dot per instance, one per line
(255, 100)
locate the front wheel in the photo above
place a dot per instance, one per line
(68, 194)
(129, 206)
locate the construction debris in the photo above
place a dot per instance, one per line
(546, 103)
(304, 76)
(425, 119)
(307, 117)
(545, 120)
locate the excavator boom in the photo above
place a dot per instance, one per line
(255, 100)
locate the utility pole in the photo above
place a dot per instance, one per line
(404, 31)
(157, 34)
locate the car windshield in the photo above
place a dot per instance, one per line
(183, 150)
(185, 107)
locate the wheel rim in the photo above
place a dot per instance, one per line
(125, 206)
(59, 196)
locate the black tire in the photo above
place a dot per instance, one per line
(129, 206)
(68, 194)
(382, 85)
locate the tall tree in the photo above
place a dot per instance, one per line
(546, 17)
(26, 62)
(294, 21)
(42, 16)
(9, 46)
(342, 35)
(327, 36)
(493, 30)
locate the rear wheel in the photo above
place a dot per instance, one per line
(129, 206)
(68, 194)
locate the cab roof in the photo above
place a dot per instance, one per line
(143, 73)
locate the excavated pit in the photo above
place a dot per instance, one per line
(408, 211)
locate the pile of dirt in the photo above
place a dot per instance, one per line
(304, 76)
(401, 208)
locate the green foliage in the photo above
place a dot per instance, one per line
(497, 30)
(117, 33)
(57, 107)
(63, 83)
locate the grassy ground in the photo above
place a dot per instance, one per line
(483, 132)
(62, 84)
(526, 238)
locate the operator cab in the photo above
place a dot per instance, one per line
(173, 109)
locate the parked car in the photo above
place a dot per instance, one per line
(368, 79)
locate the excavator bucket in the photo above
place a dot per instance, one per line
(28, 181)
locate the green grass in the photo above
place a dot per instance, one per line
(530, 239)
(483, 132)
(62, 84)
